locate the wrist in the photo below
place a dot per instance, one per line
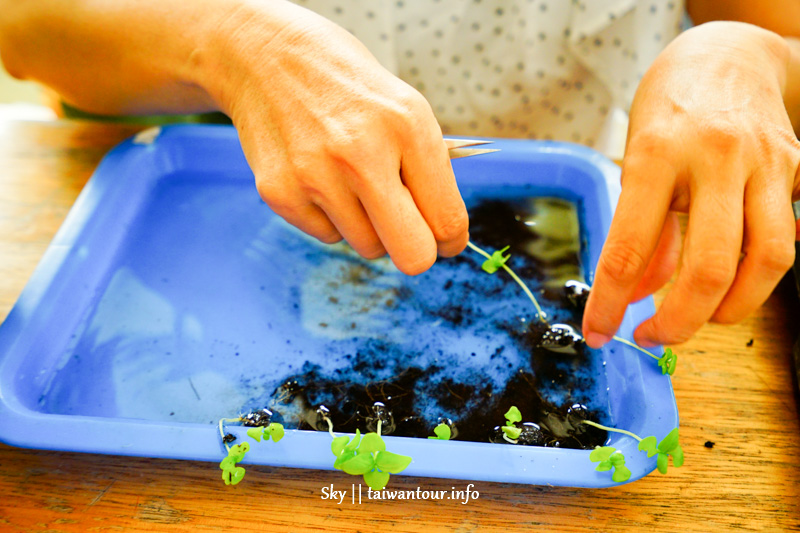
(749, 45)
(245, 33)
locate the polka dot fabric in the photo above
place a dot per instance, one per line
(541, 69)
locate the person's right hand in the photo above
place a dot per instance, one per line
(340, 147)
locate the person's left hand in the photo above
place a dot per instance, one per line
(709, 135)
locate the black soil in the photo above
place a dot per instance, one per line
(474, 409)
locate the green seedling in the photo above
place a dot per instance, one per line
(231, 473)
(497, 260)
(442, 432)
(366, 456)
(511, 432)
(273, 431)
(665, 449)
(609, 457)
(667, 362)
(668, 447)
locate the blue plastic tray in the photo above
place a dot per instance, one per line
(166, 301)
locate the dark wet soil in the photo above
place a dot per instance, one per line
(475, 409)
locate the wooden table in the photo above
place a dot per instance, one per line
(736, 396)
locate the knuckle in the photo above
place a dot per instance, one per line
(710, 273)
(273, 194)
(773, 256)
(411, 113)
(451, 225)
(281, 199)
(622, 262)
(649, 142)
(721, 136)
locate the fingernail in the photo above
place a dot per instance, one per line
(596, 340)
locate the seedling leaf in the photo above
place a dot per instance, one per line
(648, 444)
(601, 453)
(677, 456)
(338, 444)
(442, 432)
(512, 431)
(513, 415)
(668, 362)
(346, 456)
(669, 442)
(353, 444)
(496, 261)
(358, 464)
(275, 431)
(227, 464)
(604, 466)
(255, 433)
(621, 473)
(392, 462)
(233, 476)
(238, 451)
(662, 462)
(372, 442)
(376, 480)
(617, 459)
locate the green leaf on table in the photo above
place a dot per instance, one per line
(677, 456)
(496, 261)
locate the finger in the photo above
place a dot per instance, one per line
(351, 220)
(769, 250)
(398, 223)
(428, 175)
(711, 254)
(308, 218)
(664, 261)
(631, 241)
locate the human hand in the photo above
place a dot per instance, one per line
(709, 135)
(339, 146)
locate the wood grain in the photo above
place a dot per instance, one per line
(738, 397)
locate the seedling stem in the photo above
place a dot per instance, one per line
(601, 426)
(515, 278)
